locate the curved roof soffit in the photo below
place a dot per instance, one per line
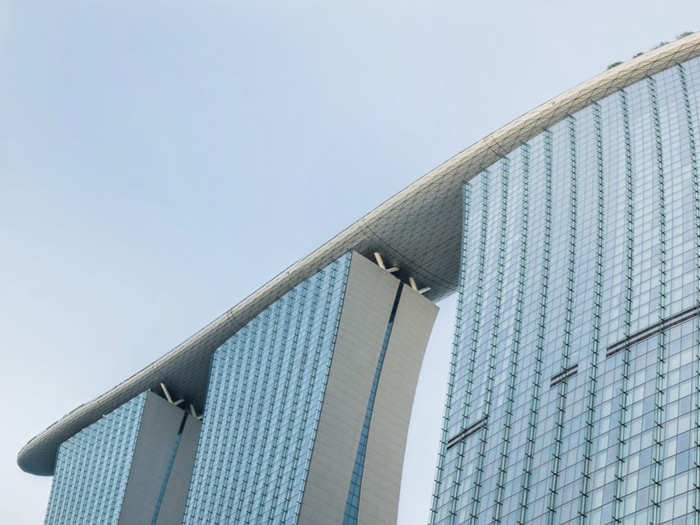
(417, 229)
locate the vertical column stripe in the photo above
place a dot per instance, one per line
(515, 342)
(592, 384)
(657, 470)
(274, 496)
(566, 339)
(623, 422)
(300, 421)
(696, 206)
(474, 344)
(493, 346)
(440, 470)
(541, 329)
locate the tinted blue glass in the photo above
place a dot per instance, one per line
(575, 365)
(92, 469)
(263, 403)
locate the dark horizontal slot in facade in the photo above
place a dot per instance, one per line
(466, 432)
(565, 372)
(654, 329)
(562, 376)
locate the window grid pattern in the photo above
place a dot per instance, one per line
(602, 242)
(568, 305)
(493, 336)
(592, 383)
(618, 481)
(515, 344)
(266, 389)
(441, 486)
(527, 471)
(92, 469)
(657, 472)
(696, 197)
(466, 473)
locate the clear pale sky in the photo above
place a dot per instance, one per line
(159, 161)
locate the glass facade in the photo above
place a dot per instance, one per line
(574, 385)
(264, 399)
(92, 469)
(574, 390)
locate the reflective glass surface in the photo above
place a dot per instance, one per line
(92, 469)
(264, 400)
(574, 382)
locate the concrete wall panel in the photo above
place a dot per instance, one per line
(160, 423)
(366, 309)
(172, 510)
(386, 443)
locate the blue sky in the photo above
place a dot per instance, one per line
(159, 161)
